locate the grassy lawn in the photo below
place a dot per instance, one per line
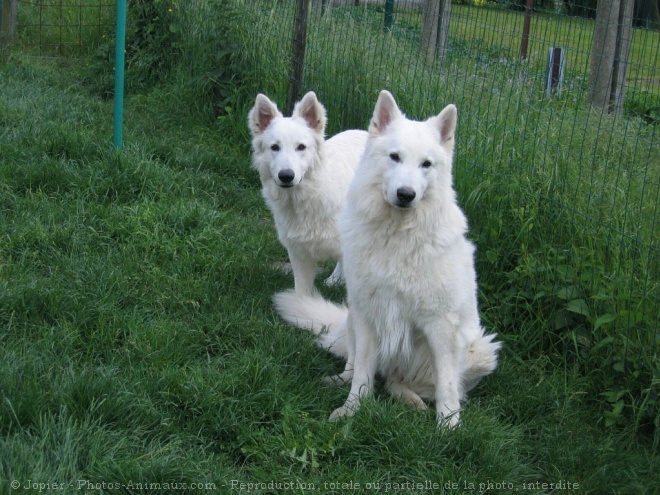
(139, 351)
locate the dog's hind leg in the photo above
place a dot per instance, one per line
(347, 375)
(337, 276)
(398, 389)
(364, 367)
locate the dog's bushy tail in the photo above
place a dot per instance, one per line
(325, 319)
(480, 360)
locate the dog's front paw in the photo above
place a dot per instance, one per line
(450, 421)
(334, 281)
(336, 278)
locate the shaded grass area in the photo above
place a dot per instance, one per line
(139, 346)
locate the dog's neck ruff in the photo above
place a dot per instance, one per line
(445, 219)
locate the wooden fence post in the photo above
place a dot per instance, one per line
(621, 52)
(298, 53)
(609, 54)
(443, 29)
(9, 11)
(602, 53)
(435, 29)
(529, 6)
(429, 29)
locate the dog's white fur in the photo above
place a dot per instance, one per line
(409, 269)
(305, 180)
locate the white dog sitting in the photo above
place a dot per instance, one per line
(412, 294)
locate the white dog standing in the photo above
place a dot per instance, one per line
(409, 269)
(305, 180)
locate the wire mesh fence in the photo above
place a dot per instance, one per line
(63, 27)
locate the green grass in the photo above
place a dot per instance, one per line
(64, 28)
(140, 345)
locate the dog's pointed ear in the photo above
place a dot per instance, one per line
(262, 114)
(385, 113)
(445, 122)
(311, 111)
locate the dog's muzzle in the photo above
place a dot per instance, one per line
(286, 177)
(405, 196)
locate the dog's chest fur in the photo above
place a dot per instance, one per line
(305, 218)
(407, 268)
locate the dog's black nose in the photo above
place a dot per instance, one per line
(286, 176)
(405, 195)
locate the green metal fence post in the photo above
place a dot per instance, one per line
(120, 46)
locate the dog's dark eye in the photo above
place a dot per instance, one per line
(301, 147)
(395, 157)
(426, 164)
(275, 147)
